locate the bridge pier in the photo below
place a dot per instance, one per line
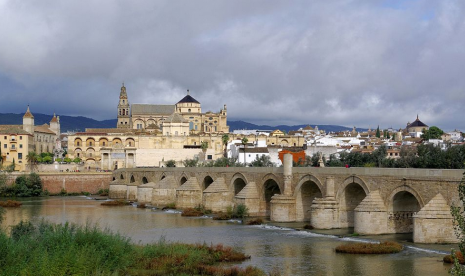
(370, 216)
(325, 211)
(433, 223)
(283, 206)
(250, 198)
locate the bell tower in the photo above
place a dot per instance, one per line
(124, 117)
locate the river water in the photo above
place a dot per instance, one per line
(272, 246)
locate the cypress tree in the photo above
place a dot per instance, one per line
(378, 134)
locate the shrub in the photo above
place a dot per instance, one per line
(222, 216)
(308, 227)
(2, 212)
(23, 229)
(450, 260)
(370, 248)
(24, 186)
(257, 221)
(103, 192)
(10, 203)
(191, 212)
(170, 163)
(241, 211)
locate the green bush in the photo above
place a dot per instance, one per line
(170, 163)
(24, 186)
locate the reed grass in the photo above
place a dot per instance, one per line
(49, 249)
(388, 247)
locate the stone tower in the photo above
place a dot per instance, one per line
(124, 117)
(55, 124)
(28, 121)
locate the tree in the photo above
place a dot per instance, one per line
(225, 139)
(459, 226)
(378, 133)
(432, 133)
(204, 147)
(31, 158)
(244, 143)
(262, 161)
(170, 163)
(190, 162)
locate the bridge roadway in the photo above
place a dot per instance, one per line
(372, 200)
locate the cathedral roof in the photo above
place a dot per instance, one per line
(45, 128)
(152, 109)
(417, 123)
(176, 118)
(188, 99)
(28, 113)
(13, 129)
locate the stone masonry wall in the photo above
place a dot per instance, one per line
(75, 182)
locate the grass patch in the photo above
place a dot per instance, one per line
(119, 202)
(49, 249)
(10, 203)
(450, 260)
(370, 248)
(191, 212)
(257, 221)
(103, 192)
(171, 206)
(222, 216)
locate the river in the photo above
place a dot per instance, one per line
(272, 246)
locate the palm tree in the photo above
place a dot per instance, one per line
(204, 147)
(225, 139)
(32, 158)
(244, 142)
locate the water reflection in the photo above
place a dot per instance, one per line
(292, 252)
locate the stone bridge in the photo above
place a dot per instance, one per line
(372, 200)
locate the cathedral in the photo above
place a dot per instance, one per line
(183, 118)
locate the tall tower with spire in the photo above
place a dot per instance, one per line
(55, 124)
(28, 121)
(124, 119)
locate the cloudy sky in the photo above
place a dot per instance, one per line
(362, 63)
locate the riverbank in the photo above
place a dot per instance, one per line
(273, 246)
(55, 249)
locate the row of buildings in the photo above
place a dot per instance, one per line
(149, 135)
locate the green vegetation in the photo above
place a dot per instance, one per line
(103, 192)
(24, 186)
(458, 213)
(191, 162)
(48, 249)
(244, 143)
(225, 140)
(2, 212)
(432, 133)
(370, 248)
(423, 156)
(262, 161)
(223, 162)
(192, 212)
(240, 211)
(170, 163)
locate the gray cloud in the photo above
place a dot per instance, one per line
(363, 63)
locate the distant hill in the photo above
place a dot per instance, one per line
(80, 123)
(234, 125)
(68, 123)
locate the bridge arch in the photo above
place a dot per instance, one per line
(121, 177)
(350, 193)
(132, 179)
(238, 182)
(145, 180)
(269, 188)
(182, 179)
(307, 190)
(207, 181)
(403, 203)
(163, 176)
